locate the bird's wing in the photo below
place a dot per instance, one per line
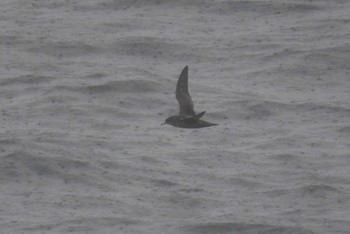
(182, 95)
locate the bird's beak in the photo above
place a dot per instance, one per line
(163, 123)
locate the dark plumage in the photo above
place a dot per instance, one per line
(187, 118)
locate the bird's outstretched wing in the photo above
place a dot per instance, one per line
(193, 122)
(182, 95)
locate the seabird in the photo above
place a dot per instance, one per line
(187, 118)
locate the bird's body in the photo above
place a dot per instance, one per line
(187, 118)
(180, 121)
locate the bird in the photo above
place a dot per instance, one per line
(186, 118)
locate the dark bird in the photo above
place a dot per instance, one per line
(187, 118)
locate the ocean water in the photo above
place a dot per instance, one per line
(85, 86)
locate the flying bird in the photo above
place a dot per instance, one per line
(187, 118)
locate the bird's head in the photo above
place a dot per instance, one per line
(170, 120)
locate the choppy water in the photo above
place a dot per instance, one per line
(85, 86)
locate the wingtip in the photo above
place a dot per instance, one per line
(184, 71)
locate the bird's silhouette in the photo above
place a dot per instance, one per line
(186, 118)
